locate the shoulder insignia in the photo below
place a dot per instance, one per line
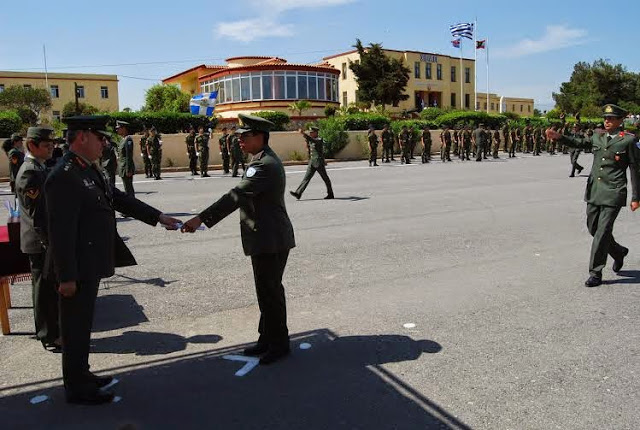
(251, 171)
(32, 193)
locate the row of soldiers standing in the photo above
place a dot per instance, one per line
(198, 151)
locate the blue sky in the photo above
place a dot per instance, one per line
(532, 46)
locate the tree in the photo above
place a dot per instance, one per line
(167, 98)
(69, 109)
(593, 85)
(19, 98)
(299, 106)
(381, 80)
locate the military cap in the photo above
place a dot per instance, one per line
(614, 110)
(40, 133)
(15, 137)
(154, 129)
(314, 128)
(96, 123)
(121, 124)
(253, 123)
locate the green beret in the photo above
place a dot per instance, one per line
(16, 136)
(614, 110)
(40, 133)
(95, 123)
(253, 123)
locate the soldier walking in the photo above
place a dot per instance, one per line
(445, 150)
(237, 158)
(404, 139)
(316, 163)
(496, 143)
(465, 150)
(574, 152)
(388, 139)
(480, 140)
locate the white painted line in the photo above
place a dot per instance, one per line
(251, 363)
(116, 399)
(39, 399)
(110, 384)
(305, 345)
(409, 325)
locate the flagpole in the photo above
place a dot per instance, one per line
(475, 62)
(461, 79)
(486, 48)
(46, 77)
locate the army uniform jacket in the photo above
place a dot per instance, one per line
(506, 134)
(316, 150)
(33, 212)
(83, 240)
(480, 136)
(387, 138)
(126, 166)
(373, 139)
(607, 183)
(496, 136)
(109, 159)
(16, 158)
(404, 137)
(202, 142)
(426, 137)
(190, 140)
(154, 146)
(143, 147)
(264, 223)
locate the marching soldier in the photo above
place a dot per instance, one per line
(487, 146)
(519, 138)
(404, 138)
(126, 167)
(190, 140)
(145, 154)
(154, 147)
(514, 142)
(537, 140)
(426, 144)
(316, 163)
(224, 150)
(202, 150)
(33, 234)
(373, 146)
(387, 144)
(551, 143)
(456, 142)
(574, 152)
(614, 151)
(237, 158)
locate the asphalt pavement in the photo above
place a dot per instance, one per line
(423, 296)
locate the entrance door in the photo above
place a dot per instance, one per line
(435, 99)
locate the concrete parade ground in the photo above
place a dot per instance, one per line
(423, 296)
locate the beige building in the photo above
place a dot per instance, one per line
(501, 104)
(256, 83)
(100, 91)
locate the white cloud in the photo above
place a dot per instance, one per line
(251, 29)
(282, 5)
(556, 37)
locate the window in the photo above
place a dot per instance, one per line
(477, 105)
(104, 92)
(302, 86)
(493, 106)
(255, 87)
(485, 106)
(56, 115)
(55, 92)
(453, 99)
(467, 75)
(439, 72)
(521, 108)
(427, 71)
(235, 89)
(278, 84)
(344, 71)
(228, 92)
(313, 87)
(267, 86)
(292, 92)
(1, 88)
(80, 91)
(416, 69)
(529, 108)
(453, 73)
(245, 87)
(344, 98)
(467, 101)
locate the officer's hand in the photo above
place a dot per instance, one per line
(169, 222)
(191, 225)
(552, 134)
(67, 289)
(634, 206)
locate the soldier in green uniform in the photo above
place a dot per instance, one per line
(388, 139)
(316, 163)
(404, 138)
(16, 158)
(537, 140)
(514, 142)
(84, 247)
(154, 147)
(224, 150)
(466, 143)
(445, 149)
(145, 154)
(519, 138)
(614, 151)
(506, 135)
(373, 146)
(33, 234)
(426, 144)
(456, 142)
(496, 143)
(551, 144)
(237, 157)
(109, 160)
(190, 140)
(202, 150)
(480, 140)
(126, 167)
(574, 153)
(528, 138)
(267, 233)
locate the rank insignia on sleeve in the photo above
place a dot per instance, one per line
(32, 193)
(251, 171)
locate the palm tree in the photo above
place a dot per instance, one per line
(299, 106)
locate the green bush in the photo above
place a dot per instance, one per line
(460, 118)
(431, 113)
(279, 119)
(329, 111)
(415, 125)
(511, 116)
(165, 122)
(10, 123)
(361, 121)
(332, 130)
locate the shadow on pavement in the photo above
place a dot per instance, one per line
(347, 199)
(625, 277)
(117, 311)
(339, 383)
(118, 280)
(148, 343)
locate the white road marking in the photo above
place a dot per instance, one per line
(305, 345)
(251, 363)
(409, 325)
(39, 399)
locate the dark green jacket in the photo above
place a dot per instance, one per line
(426, 137)
(190, 140)
(480, 136)
(316, 150)
(387, 138)
(33, 212)
(126, 166)
(607, 183)
(16, 158)
(83, 240)
(264, 223)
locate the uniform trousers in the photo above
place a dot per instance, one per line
(193, 162)
(127, 181)
(574, 161)
(311, 170)
(267, 273)
(45, 301)
(600, 220)
(204, 161)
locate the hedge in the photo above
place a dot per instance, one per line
(10, 123)
(279, 119)
(165, 122)
(333, 132)
(415, 125)
(460, 118)
(362, 121)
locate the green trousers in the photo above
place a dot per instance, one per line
(45, 301)
(600, 220)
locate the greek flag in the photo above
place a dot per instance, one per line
(203, 104)
(462, 30)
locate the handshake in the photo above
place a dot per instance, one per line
(171, 223)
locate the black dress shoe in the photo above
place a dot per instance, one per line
(329, 197)
(93, 398)
(274, 354)
(52, 347)
(572, 176)
(257, 349)
(100, 381)
(294, 194)
(617, 264)
(593, 281)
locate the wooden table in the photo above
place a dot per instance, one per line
(14, 267)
